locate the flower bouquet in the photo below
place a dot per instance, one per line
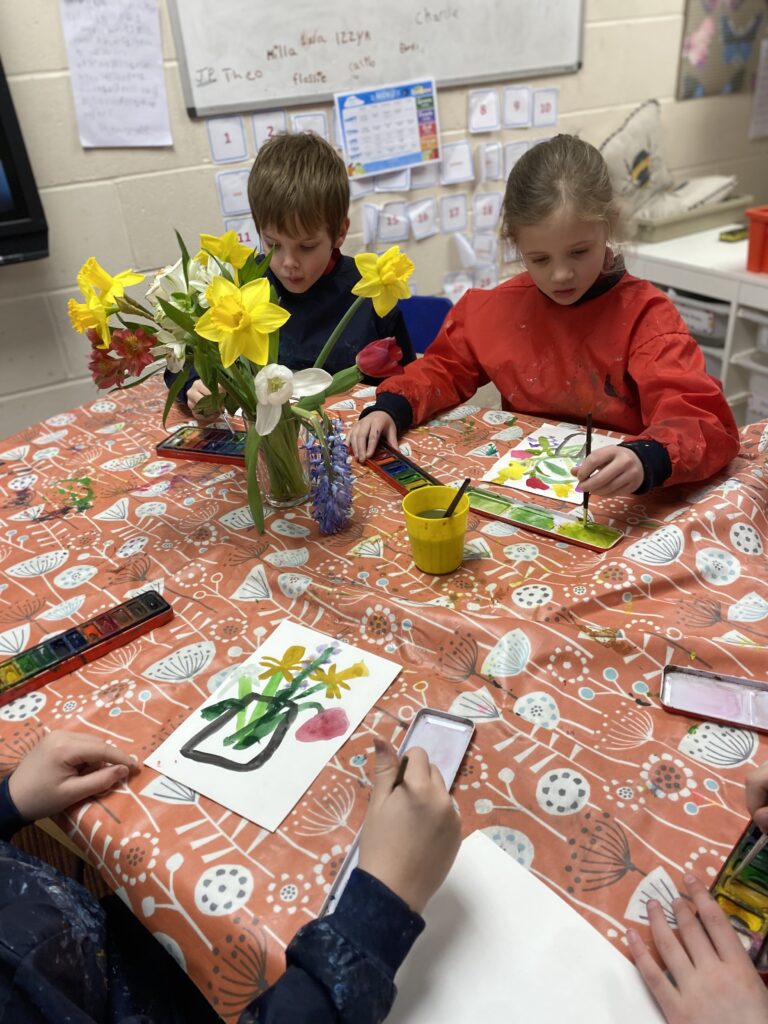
(219, 313)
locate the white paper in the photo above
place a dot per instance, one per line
(370, 223)
(545, 103)
(393, 181)
(484, 243)
(315, 122)
(116, 68)
(425, 176)
(233, 191)
(456, 164)
(758, 125)
(360, 188)
(491, 162)
(500, 947)
(487, 208)
(512, 153)
(266, 124)
(423, 217)
(483, 115)
(226, 137)
(456, 284)
(266, 794)
(394, 225)
(485, 276)
(246, 231)
(517, 106)
(464, 251)
(453, 212)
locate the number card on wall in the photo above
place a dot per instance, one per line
(423, 217)
(233, 191)
(512, 153)
(267, 124)
(358, 189)
(395, 181)
(484, 244)
(226, 137)
(545, 103)
(246, 231)
(456, 283)
(370, 223)
(517, 106)
(389, 128)
(486, 277)
(456, 165)
(484, 110)
(315, 122)
(487, 208)
(425, 176)
(453, 212)
(491, 162)
(394, 225)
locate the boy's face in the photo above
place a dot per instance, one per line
(299, 261)
(563, 254)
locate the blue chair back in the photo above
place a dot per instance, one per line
(424, 316)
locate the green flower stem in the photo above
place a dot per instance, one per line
(337, 331)
(280, 452)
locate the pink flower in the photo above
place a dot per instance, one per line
(105, 369)
(326, 725)
(380, 358)
(135, 347)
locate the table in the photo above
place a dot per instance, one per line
(555, 651)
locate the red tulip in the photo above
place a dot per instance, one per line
(380, 358)
(326, 725)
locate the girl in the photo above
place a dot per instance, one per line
(575, 334)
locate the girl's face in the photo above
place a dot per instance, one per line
(563, 254)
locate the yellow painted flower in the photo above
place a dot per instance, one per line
(240, 320)
(90, 314)
(225, 247)
(514, 471)
(94, 278)
(335, 681)
(289, 664)
(562, 490)
(383, 279)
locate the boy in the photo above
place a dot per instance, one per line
(298, 191)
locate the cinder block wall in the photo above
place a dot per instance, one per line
(122, 205)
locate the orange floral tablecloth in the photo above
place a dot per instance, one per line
(556, 652)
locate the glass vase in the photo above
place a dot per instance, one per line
(281, 468)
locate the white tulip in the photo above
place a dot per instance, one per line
(275, 385)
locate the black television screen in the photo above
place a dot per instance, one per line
(23, 229)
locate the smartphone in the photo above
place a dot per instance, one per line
(729, 700)
(445, 738)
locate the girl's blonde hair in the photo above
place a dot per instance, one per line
(563, 171)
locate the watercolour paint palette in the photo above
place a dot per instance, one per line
(205, 444)
(405, 475)
(73, 648)
(743, 896)
(542, 463)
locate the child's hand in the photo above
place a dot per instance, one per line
(713, 979)
(616, 471)
(197, 392)
(757, 796)
(367, 432)
(411, 834)
(64, 768)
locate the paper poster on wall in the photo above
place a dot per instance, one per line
(245, 229)
(483, 113)
(491, 162)
(720, 47)
(487, 209)
(425, 176)
(517, 106)
(394, 225)
(314, 122)
(233, 191)
(119, 90)
(257, 743)
(423, 217)
(456, 164)
(266, 124)
(453, 212)
(545, 104)
(543, 462)
(390, 127)
(226, 137)
(394, 181)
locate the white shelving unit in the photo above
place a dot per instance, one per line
(720, 294)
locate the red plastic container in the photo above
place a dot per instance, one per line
(757, 251)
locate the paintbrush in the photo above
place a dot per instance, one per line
(456, 499)
(400, 771)
(588, 451)
(746, 861)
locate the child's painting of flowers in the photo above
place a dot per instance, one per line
(262, 737)
(542, 463)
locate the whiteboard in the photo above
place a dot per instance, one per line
(252, 54)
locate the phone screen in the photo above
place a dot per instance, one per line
(742, 702)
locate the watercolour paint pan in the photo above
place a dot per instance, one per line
(445, 738)
(729, 700)
(73, 648)
(743, 896)
(398, 470)
(205, 444)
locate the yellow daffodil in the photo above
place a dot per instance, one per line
(335, 681)
(289, 664)
(383, 279)
(562, 490)
(240, 320)
(94, 278)
(90, 314)
(225, 247)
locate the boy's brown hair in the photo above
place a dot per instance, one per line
(298, 183)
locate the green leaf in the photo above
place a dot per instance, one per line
(182, 319)
(254, 268)
(214, 710)
(173, 392)
(184, 259)
(252, 445)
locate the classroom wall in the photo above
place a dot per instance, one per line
(122, 205)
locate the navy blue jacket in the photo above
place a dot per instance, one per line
(315, 313)
(66, 957)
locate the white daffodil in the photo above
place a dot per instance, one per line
(275, 385)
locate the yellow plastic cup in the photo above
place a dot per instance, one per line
(437, 545)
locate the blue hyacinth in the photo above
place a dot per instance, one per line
(331, 491)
